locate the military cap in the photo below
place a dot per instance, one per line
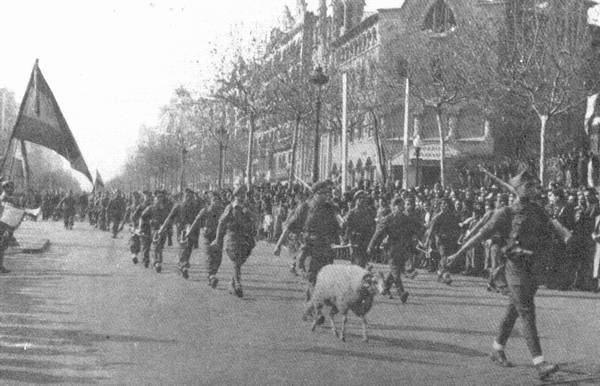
(322, 186)
(158, 192)
(188, 191)
(522, 178)
(359, 194)
(240, 191)
(6, 184)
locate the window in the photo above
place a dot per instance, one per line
(440, 18)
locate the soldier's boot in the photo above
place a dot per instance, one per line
(184, 270)
(158, 267)
(134, 259)
(236, 289)
(146, 263)
(4, 270)
(499, 357)
(213, 281)
(403, 296)
(546, 369)
(444, 277)
(293, 269)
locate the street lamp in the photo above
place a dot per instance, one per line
(317, 78)
(417, 146)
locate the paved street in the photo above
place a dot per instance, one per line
(83, 313)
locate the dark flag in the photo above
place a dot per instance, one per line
(40, 121)
(98, 183)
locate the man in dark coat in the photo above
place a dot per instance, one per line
(528, 232)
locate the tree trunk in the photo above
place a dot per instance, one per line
(221, 165)
(380, 155)
(292, 175)
(438, 117)
(317, 144)
(182, 172)
(250, 150)
(543, 123)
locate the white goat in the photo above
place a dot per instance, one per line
(343, 288)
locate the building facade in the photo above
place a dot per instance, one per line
(358, 37)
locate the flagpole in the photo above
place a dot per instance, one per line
(32, 80)
(26, 170)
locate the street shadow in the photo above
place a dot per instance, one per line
(39, 378)
(443, 330)
(344, 353)
(30, 321)
(425, 345)
(76, 337)
(270, 289)
(562, 295)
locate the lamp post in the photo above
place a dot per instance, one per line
(317, 78)
(417, 146)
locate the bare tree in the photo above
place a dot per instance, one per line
(547, 51)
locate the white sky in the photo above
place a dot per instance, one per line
(112, 64)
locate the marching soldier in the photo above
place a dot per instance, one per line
(67, 205)
(360, 225)
(151, 219)
(401, 231)
(445, 232)
(235, 232)
(141, 237)
(183, 215)
(528, 232)
(208, 218)
(115, 211)
(317, 220)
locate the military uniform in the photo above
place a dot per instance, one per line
(528, 232)
(401, 231)
(360, 225)
(317, 221)
(67, 205)
(151, 220)
(445, 231)
(183, 215)
(116, 209)
(139, 239)
(208, 218)
(235, 235)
